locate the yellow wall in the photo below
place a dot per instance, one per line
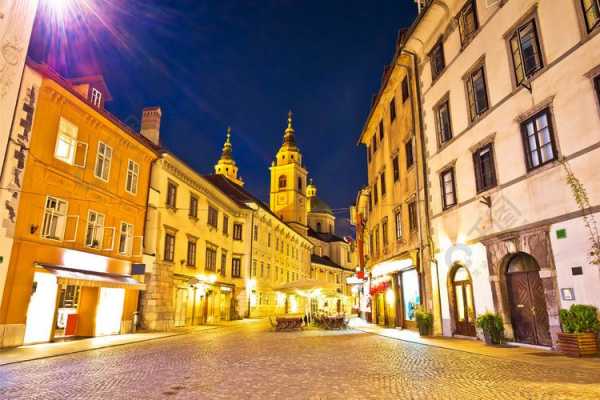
(88, 301)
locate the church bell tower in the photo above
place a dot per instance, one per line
(288, 182)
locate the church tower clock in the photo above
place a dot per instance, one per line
(288, 183)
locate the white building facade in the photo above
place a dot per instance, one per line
(510, 98)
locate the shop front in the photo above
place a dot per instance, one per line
(201, 300)
(62, 294)
(395, 290)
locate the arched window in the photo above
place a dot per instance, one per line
(282, 181)
(299, 184)
(318, 227)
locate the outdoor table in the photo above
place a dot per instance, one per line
(334, 322)
(289, 322)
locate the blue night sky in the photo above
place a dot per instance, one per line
(243, 64)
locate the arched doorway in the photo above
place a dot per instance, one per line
(464, 309)
(529, 316)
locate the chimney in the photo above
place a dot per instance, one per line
(150, 128)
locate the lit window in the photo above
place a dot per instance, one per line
(126, 238)
(95, 230)
(66, 141)
(96, 97)
(591, 10)
(133, 172)
(55, 217)
(103, 160)
(525, 48)
(467, 22)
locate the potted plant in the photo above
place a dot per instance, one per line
(580, 327)
(424, 321)
(492, 326)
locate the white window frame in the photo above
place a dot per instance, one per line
(52, 213)
(96, 97)
(106, 161)
(133, 170)
(128, 232)
(95, 226)
(67, 131)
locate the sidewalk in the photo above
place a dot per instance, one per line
(536, 355)
(46, 350)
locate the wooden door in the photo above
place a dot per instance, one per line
(464, 309)
(528, 308)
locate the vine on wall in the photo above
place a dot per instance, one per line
(583, 202)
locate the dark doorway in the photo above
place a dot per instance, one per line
(529, 316)
(464, 309)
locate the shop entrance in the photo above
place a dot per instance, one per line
(411, 296)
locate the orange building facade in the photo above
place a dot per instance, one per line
(79, 181)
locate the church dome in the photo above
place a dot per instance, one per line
(317, 205)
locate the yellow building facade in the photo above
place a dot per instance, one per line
(79, 188)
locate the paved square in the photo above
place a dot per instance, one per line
(249, 361)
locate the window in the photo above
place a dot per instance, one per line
(66, 141)
(438, 62)
(368, 154)
(477, 93)
(597, 84)
(253, 269)
(95, 230)
(405, 89)
(225, 224)
(448, 188)
(237, 231)
(396, 167)
(318, 227)
(211, 258)
(539, 140)
(213, 217)
(384, 232)
(191, 253)
(393, 109)
(485, 173)
(375, 194)
(269, 239)
(444, 126)
(255, 233)
(236, 267)
(193, 211)
(467, 22)
(55, 218)
(410, 160)
(282, 182)
(133, 172)
(300, 185)
(383, 184)
(125, 238)
(169, 254)
(412, 216)
(526, 54)
(171, 195)
(223, 271)
(591, 10)
(103, 159)
(398, 217)
(374, 143)
(262, 269)
(96, 97)
(381, 131)
(376, 233)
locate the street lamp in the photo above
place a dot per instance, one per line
(250, 285)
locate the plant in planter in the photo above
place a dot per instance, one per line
(492, 326)
(580, 327)
(424, 322)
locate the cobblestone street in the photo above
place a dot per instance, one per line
(250, 361)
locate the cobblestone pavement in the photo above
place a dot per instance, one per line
(249, 361)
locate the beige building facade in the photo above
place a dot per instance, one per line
(511, 109)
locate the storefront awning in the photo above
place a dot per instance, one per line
(69, 276)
